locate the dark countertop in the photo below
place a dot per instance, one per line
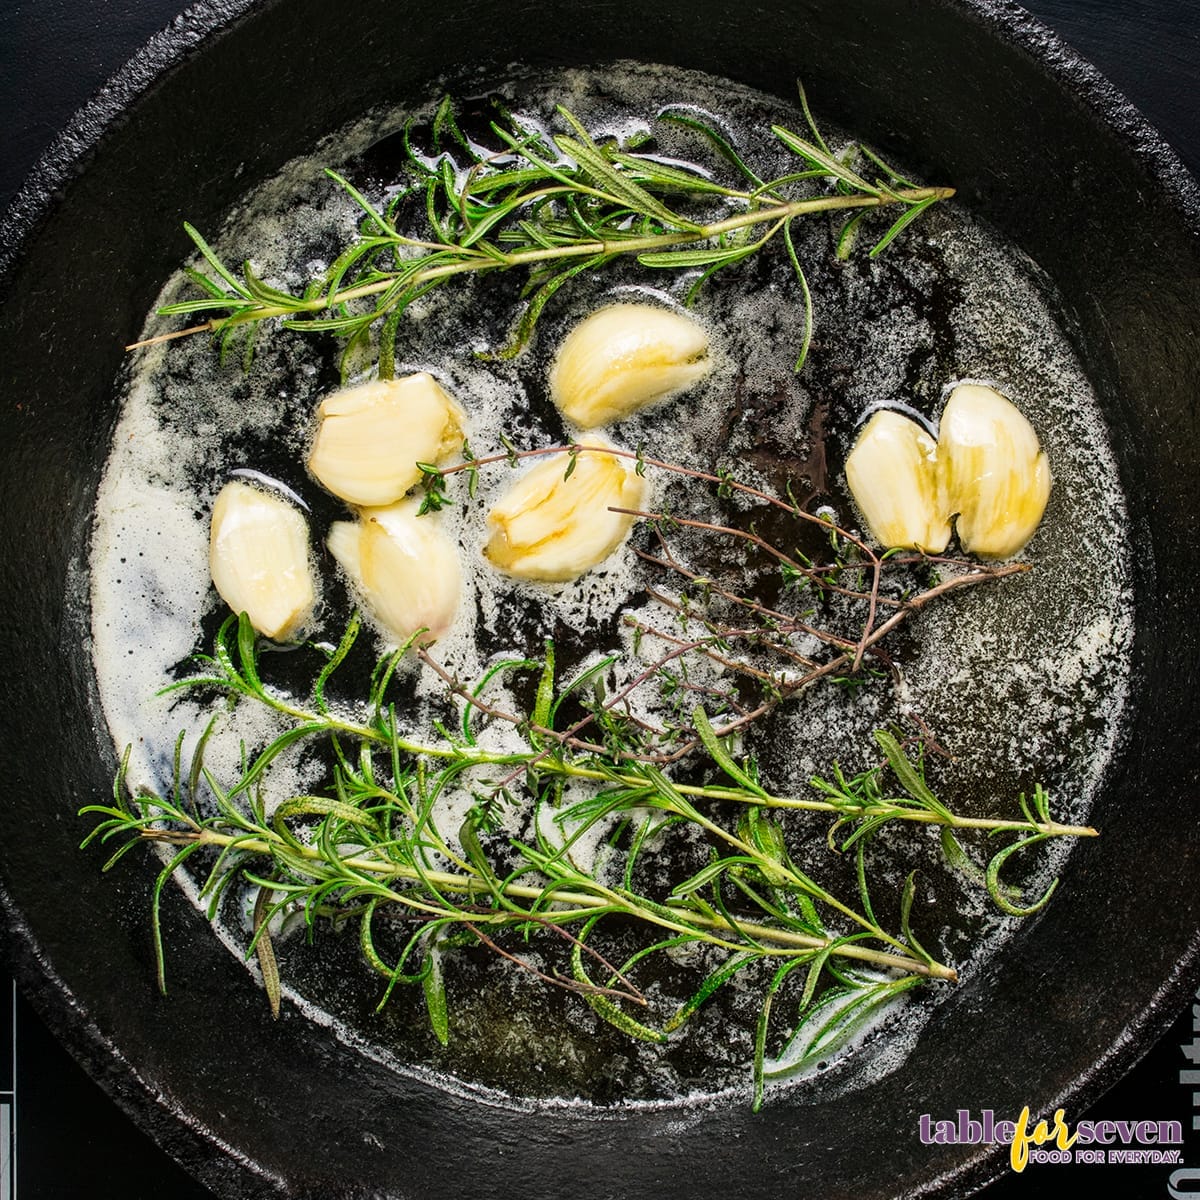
(70, 1140)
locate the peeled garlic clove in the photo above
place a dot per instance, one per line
(258, 558)
(893, 475)
(622, 358)
(371, 437)
(994, 472)
(406, 569)
(554, 526)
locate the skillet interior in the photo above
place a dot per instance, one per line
(1106, 226)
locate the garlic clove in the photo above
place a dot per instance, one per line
(554, 526)
(994, 473)
(893, 475)
(258, 558)
(622, 358)
(404, 567)
(370, 437)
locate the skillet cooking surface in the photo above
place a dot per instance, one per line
(190, 984)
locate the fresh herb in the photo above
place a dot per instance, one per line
(554, 206)
(848, 604)
(579, 766)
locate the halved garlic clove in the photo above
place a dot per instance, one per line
(994, 472)
(405, 568)
(893, 475)
(623, 357)
(258, 558)
(371, 437)
(554, 525)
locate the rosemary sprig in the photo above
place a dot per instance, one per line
(371, 847)
(553, 206)
(580, 767)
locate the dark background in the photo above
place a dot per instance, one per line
(71, 1141)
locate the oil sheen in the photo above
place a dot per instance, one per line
(1022, 682)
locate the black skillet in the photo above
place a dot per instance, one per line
(1033, 142)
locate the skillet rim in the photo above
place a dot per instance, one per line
(71, 154)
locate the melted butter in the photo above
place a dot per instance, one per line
(1023, 682)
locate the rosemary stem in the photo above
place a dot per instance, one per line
(662, 241)
(585, 904)
(562, 767)
(777, 214)
(795, 879)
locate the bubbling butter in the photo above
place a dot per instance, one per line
(1019, 683)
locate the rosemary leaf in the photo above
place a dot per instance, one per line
(569, 208)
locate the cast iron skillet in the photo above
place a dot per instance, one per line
(1036, 143)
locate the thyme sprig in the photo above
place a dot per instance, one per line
(554, 205)
(782, 649)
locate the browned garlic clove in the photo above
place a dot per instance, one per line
(403, 566)
(624, 357)
(554, 523)
(994, 473)
(371, 436)
(893, 476)
(259, 561)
